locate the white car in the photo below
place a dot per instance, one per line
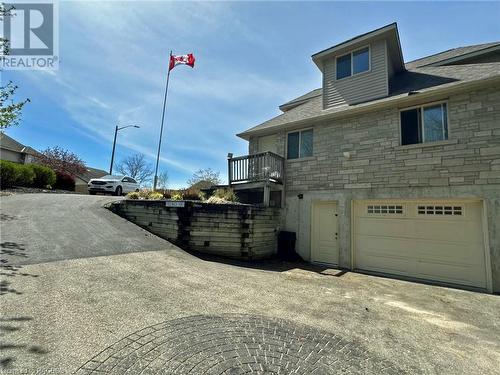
(116, 185)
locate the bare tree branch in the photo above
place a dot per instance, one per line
(162, 181)
(204, 178)
(136, 167)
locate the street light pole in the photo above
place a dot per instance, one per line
(113, 153)
(114, 144)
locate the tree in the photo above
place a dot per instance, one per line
(204, 178)
(61, 160)
(136, 167)
(162, 181)
(10, 111)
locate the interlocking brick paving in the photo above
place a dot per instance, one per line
(235, 344)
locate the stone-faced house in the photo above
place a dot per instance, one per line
(390, 167)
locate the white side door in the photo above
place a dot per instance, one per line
(324, 233)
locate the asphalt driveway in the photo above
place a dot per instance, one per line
(52, 227)
(100, 295)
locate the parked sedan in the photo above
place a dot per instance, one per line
(116, 185)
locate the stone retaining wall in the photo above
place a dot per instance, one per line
(232, 230)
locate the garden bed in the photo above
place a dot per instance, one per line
(232, 230)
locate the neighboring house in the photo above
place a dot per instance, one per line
(390, 167)
(12, 150)
(81, 180)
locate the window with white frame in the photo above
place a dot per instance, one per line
(353, 63)
(300, 144)
(428, 123)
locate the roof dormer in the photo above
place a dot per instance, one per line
(359, 69)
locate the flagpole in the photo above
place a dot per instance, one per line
(162, 120)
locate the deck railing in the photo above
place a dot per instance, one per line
(265, 166)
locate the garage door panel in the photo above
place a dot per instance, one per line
(441, 230)
(428, 246)
(390, 227)
(386, 263)
(452, 273)
(444, 230)
(415, 249)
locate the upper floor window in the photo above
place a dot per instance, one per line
(353, 63)
(427, 123)
(300, 144)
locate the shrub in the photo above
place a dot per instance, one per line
(25, 175)
(64, 181)
(44, 176)
(134, 195)
(217, 200)
(155, 195)
(176, 197)
(8, 173)
(202, 196)
(225, 194)
(145, 194)
(191, 194)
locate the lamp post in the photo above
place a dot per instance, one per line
(114, 144)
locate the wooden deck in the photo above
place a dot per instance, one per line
(261, 167)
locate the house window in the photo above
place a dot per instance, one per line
(300, 144)
(353, 63)
(424, 124)
(360, 61)
(343, 66)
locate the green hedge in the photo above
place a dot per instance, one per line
(44, 176)
(14, 174)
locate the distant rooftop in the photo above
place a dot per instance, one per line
(451, 54)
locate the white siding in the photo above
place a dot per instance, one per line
(358, 88)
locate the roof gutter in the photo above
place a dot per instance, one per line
(400, 100)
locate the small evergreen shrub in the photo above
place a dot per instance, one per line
(8, 174)
(44, 176)
(25, 175)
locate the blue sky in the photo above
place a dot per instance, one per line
(250, 58)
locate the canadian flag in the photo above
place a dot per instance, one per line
(181, 59)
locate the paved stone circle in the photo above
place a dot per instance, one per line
(235, 344)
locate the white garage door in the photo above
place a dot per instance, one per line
(432, 240)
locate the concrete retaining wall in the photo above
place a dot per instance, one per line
(235, 231)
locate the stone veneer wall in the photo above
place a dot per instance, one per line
(465, 166)
(471, 156)
(232, 230)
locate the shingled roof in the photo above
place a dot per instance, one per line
(442, 57)
(422, 76)
(420, 80)
(9, 143)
